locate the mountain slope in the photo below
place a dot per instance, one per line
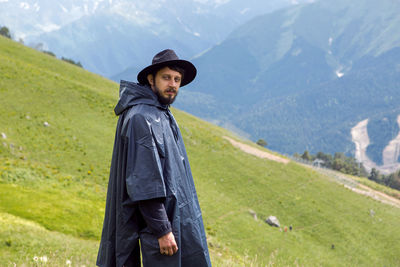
(302, 77)
(53, 181)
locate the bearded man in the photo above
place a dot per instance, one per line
(152, 205)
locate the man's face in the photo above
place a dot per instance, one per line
(166, 85)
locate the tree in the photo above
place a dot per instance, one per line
(392, 180)
(262, 142)
(5, 32)
(306, 156)
(72, 62)
(39, 46)
(395, 183)
(339, 155)
(339, 162)
(374, 175)
(49, 53)
(327, 158)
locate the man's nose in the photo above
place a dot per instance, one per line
(173, 83)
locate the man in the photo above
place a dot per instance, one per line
(151, 195)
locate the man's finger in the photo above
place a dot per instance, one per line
(170, 251)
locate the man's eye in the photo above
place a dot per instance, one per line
(177, 80)
(166, 77)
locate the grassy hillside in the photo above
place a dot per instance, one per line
(53, 181)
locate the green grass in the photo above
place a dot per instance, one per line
(379, 187)
(22, 240)
(53, 182)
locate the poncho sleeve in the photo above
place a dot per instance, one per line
(144, 175)
(155, 216)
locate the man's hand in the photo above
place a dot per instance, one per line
(168, 244)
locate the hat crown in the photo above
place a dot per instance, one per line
(165, 55)
(167, 58)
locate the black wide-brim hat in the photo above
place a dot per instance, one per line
(168, 58)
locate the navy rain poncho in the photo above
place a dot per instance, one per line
(149, 161)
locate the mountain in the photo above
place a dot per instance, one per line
(302, 77)
(108, 37)
(56, 134)
(42, 16)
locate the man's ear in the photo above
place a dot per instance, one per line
(150, 79)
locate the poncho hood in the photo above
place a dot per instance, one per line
(131, 94)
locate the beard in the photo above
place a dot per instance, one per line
(166, 100)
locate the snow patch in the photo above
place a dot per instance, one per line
(135, 14)
(64, 9)
(339, 74)
(244, 11)
(220, 2)
(292, 15)
(36, 7)
(155, 33)
(48, 27)
(296, 52)
(199, 10)
(330, 40)
(186, 28)
(24, 5)
(96, 4)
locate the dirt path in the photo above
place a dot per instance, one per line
(358, 188)
(340, 178)
(382, 197)
(256, 152)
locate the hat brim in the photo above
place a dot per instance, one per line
(188, 77)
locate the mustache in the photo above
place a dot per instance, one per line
(170, 90)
